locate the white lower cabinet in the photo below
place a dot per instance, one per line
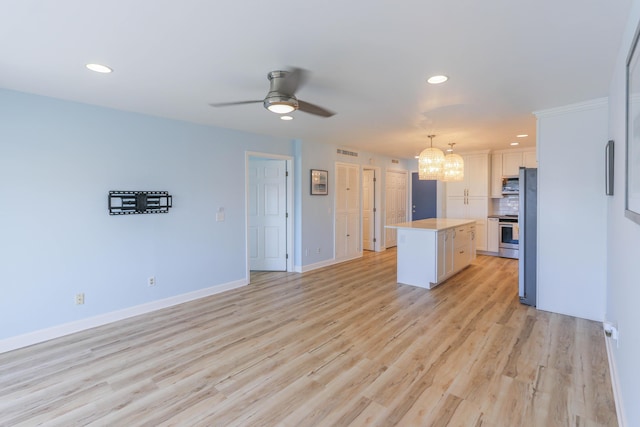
(462, 248)
(445, 254)
(476, 208)
(493, 238)
(472, 230)
(428, 257)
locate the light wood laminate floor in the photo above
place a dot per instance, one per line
(345, 345)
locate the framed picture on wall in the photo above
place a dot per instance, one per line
(319, 182)
(632, 174)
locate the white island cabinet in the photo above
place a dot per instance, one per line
(432, 250)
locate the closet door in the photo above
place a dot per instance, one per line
(368, 210)
(395, 203)
(347, 211)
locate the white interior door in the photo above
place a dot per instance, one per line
(267, 214)
(368, 210)
(396, 203)
(348, 242)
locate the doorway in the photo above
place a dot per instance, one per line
(269, 218)
(396, 203)
(424, 200)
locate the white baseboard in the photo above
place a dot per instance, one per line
(327, 263)
(42, 335)
(615, 383)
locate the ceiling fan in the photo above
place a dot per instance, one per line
(281, 98)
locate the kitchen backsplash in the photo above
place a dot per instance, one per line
(508, 205)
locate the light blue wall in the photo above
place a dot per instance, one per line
(59, 160)
(623, 271)
(317, 211)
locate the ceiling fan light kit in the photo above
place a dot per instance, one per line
(280, 104)
(281, 98)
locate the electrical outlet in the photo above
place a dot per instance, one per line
(151, 281)
(80, 299)
(318, 250)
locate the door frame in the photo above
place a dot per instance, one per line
(289, 203)
(378, 225)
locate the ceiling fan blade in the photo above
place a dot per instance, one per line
(314, 109)
(293, 80)
(226, 104)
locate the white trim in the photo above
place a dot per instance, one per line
(326, 263)
(573, 108)
(58, 331)
(615, 384)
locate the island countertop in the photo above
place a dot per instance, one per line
(432, 224)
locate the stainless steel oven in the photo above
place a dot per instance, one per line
(509, 234)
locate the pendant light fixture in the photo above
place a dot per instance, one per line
(453, 166)
(430, 162)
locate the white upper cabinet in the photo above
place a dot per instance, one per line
(476, 178)
(508, 163)
(511, 163)
(496, 176)
(529, 159)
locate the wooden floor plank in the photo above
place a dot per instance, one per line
(340, 346)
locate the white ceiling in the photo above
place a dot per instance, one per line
(369, 61)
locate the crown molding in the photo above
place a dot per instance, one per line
(573, 108)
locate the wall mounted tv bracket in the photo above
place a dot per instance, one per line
(138, 202)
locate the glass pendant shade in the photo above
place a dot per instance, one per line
(453, 168)
(430, 164)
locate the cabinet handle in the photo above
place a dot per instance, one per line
(461, 252)
(348, 235)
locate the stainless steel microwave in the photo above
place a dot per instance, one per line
(510, 185)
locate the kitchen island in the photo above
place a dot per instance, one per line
(432, 250)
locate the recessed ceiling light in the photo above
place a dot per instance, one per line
(515, 143)
(434, 80)
(416, 157)
(286, 118)
(522, 135)
(449, 150)
(99, 68)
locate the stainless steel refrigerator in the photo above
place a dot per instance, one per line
(528, 230)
